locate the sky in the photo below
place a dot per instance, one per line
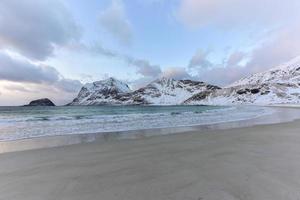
(50, 48)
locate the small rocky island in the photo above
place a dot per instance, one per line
(41, 102)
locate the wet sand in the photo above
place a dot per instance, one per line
(260, 162)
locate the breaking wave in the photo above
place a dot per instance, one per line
(20, 123)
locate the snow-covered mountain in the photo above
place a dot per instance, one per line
(101, 92)
(166, 91)
(275, 86)
(163, 91)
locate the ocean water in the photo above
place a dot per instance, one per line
(29, 122)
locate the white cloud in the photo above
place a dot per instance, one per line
(178, 73)
(114, 20)
(34, 28)
(23, 71)
(235, 58)
(17, 88)
(200, 60)
(223, 76)
(20, 71)
(281, 43)
(284, 46)
(30, 31)
(145, 68)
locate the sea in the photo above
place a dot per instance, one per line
(30, 122)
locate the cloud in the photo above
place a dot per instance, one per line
(237, 13)
(200, 60)
(34, 28)
(235, 58)
(17, 88)
(275, 40)
(177, 73)
(93, 49)
(68, 85)
(144, 67)
(231, 68)
(25, 72)
(282, 47)
(114, 20)
(223, 76)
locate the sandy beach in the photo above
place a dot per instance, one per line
(260, 162)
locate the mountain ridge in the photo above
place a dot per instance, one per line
(278, 85)
(163, 91)
(100, 92)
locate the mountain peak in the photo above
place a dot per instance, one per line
(163, 91)
(108, 83)
(100, 92)
(111, 79)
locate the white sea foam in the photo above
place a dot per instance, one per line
(21, 125)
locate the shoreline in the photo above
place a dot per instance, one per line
(257, 162)
(280, 115)
(66, 121)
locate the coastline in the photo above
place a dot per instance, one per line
(18, 124)
(257, 162)
(279, 115)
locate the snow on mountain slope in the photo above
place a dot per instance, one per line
(166, 91)
(163, 91)
(275, 86)
(279, 85)
(101, 92)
